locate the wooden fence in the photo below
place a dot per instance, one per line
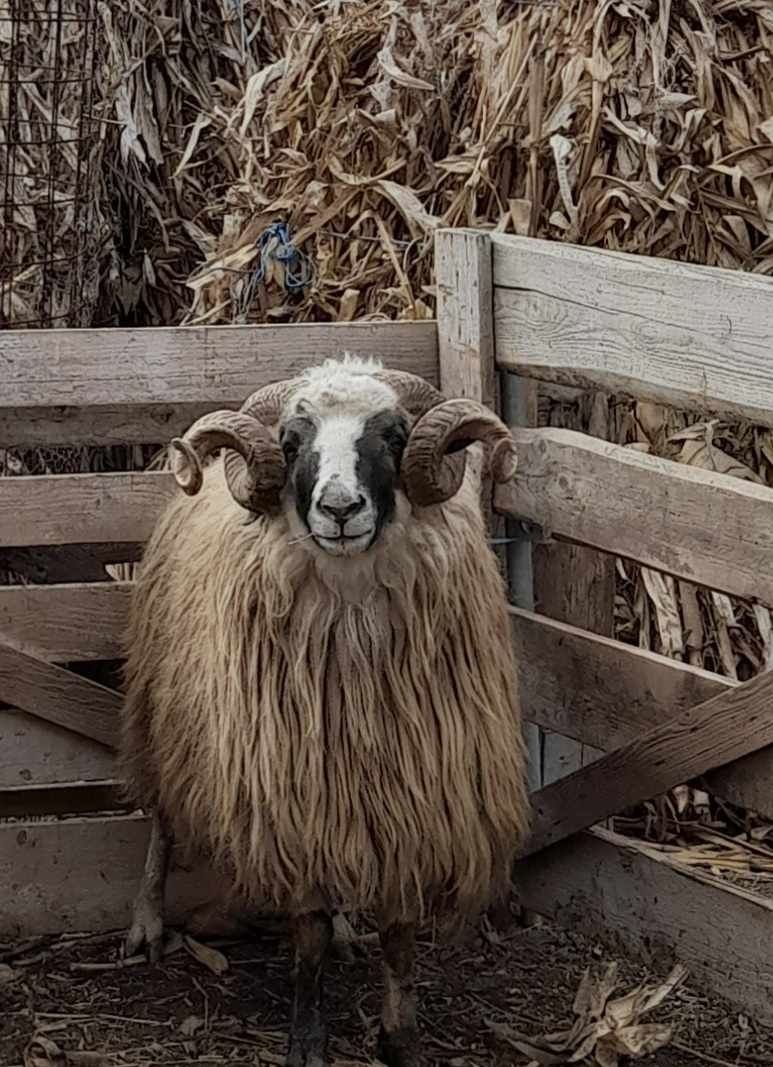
(70, 857)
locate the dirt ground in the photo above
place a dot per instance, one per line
(182, 1012)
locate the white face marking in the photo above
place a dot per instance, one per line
(342, 516)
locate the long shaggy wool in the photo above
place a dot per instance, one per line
(348, 727)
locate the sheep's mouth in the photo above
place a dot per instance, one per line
(345, 544)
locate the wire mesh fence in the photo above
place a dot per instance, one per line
(50, 222)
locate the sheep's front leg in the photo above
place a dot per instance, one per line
(147, 928)
(398, 1043)
(308, 1037)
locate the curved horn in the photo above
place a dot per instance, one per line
(428, 476)
(266, 404)
(414, 394)
(254, 465)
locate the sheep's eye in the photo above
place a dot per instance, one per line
(395, 438)
(289, 443)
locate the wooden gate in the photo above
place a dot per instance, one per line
(70, 856)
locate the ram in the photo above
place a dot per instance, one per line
(321, 691)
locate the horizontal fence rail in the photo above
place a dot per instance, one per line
(712, 529)
(117, 386)
(709, 528)
(694, 337)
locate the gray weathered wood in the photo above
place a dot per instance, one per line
(82, 874)
(119, 424)
(696, 337)
(36, 752)
(465, 326)
(604, 693)
(713, 529)
(175, 370)
(71, 621)
(79, 508)
(465, 329)
(58, 695)
(640, 903)
(724, 728)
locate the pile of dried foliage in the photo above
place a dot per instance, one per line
(640, 126)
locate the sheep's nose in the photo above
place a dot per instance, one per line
(341, 506)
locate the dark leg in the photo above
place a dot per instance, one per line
(308, 1037)
(398, 1043)
(147, 928)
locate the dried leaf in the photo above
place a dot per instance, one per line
(397, 74)
(603, 1028)
(191, 1024)
(210, 957)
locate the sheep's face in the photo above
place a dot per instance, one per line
(343, 472)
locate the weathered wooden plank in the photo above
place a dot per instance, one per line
(465, 328)
(61, 798)
(58, 695)
(36, 752)
(119, 424)
(710, 528)
(641, 903)
(69, 509)
(696, 337)
(71, 621)
(604, 693)
(175, 370)
(724, 728)
(82, 874)
(598, 690)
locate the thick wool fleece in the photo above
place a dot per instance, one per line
(344, 727)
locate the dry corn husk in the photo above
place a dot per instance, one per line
(604, 1028)
(629, 125)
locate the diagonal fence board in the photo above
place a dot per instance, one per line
(604, 693)
(68, 509)
(697, 337)
(726, 727)
(710, 528)
(638, 901)
(58, 695)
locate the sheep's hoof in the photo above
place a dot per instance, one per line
(398, 1048)
(146, 932)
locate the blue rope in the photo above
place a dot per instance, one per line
(275, 244)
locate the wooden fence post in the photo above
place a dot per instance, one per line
(465, 315)
(467, 367)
